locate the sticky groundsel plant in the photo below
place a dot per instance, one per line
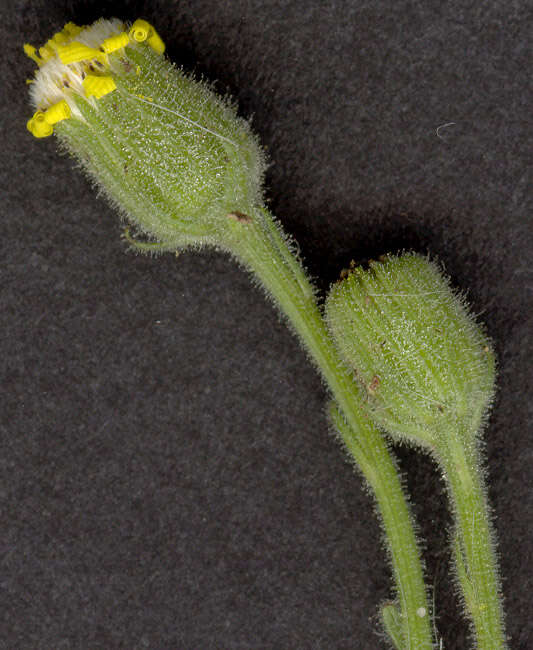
(186, 172)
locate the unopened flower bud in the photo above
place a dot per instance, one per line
(426, 367)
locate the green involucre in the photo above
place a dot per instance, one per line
(172, 155)
(424, 363)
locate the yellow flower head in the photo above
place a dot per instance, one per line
(76, 61)
(174, 157)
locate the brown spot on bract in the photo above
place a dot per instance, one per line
(128, 66)
(374, 385)
(239, 216)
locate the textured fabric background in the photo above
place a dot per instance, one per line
(167, 475)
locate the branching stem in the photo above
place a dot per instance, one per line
(262, 248)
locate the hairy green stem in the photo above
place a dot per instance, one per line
(263, 249)
(381, 473)
(474, 548)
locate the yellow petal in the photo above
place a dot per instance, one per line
(98, 86)
(74, 52)
(140, 30)
(38, 126)
(72, 30)
(115, 42)
(57, 112)
(156, 43)
(31, 51)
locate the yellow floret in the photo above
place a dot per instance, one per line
(75, 51)
(115, 43)
(59, 38)
(47, 51)
(72, 30)
(98, 86)
(57, 112)
(38, 125)
(156, 42)
(31, 51)
(141, 30)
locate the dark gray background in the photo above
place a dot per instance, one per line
(167, 475)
